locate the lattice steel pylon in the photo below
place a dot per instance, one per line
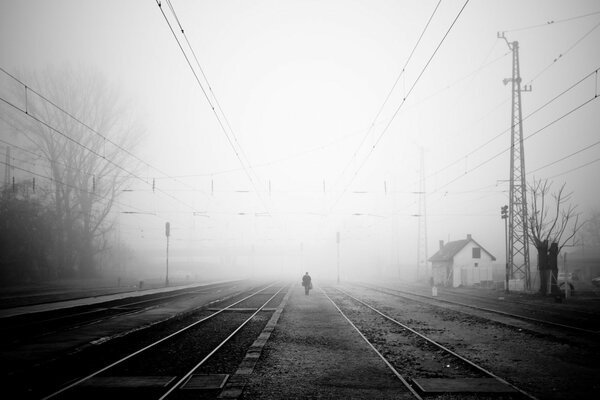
(422, 270)
(518, 234)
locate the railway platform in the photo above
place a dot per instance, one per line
(98, 297)
(313, 352)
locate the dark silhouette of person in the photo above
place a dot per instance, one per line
(307, 283)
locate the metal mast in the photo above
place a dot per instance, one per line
(518, 234)
(422, 271)
(7, 168)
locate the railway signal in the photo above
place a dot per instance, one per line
(504, 216)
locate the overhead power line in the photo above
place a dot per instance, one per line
(564, 53)
(576, 168)
(387, 98)
(210, 102)
(565, 157)
(545, 69)
(540, 108)
(210, 89)
(28, 88)
(385, 129)
(554, 22)
(94, 152)
(58, 181)
(578, 107)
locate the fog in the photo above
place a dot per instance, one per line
(285, 143)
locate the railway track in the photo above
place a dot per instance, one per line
(535, 306)
(426, 367)
(542, 315)
(31, 327)
(209, 347)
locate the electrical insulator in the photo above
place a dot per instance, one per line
(504, 212)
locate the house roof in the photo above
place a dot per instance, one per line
(451, 249)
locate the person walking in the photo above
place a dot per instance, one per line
(307, 283)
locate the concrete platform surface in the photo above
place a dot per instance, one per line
(314, 353)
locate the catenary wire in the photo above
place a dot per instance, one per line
(212, 106)
(576, 168)
(85, 125)
(214, 96)
(471, 152)
(67, 185)
(387, 98)
(385, 129)
(554, 22)
(578, 107)
(528, 115)
(132, 174)
(561, 55)
(566, 157)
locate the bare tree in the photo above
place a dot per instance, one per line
(79, 126)
(554, 221)
(591, 236)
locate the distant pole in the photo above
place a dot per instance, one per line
(422, 223)
(338, 257)
(7, 168)
(167, 234)
(567, 280)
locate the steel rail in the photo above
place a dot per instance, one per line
(87, 377)
(491, 310)
(506, 300)
(440, 346)
(98, 309)
(390, 366)
(191, 371)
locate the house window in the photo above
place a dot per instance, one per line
(477, 264)
(476, 252)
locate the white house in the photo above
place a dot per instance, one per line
(462, 262)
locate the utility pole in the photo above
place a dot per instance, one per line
(167, 234)
(567, 280)
(422, 224)
(504, 216)
(518, 234)
(337, 237)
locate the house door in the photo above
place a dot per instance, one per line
(450, 275)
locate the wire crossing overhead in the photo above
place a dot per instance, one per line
(213, 102)
(106, 139)
(554, 22)
(518, 236)
(96, 153)
(395, 114)
(592, 98)
(387, 98)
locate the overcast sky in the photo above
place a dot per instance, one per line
(300, 84)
